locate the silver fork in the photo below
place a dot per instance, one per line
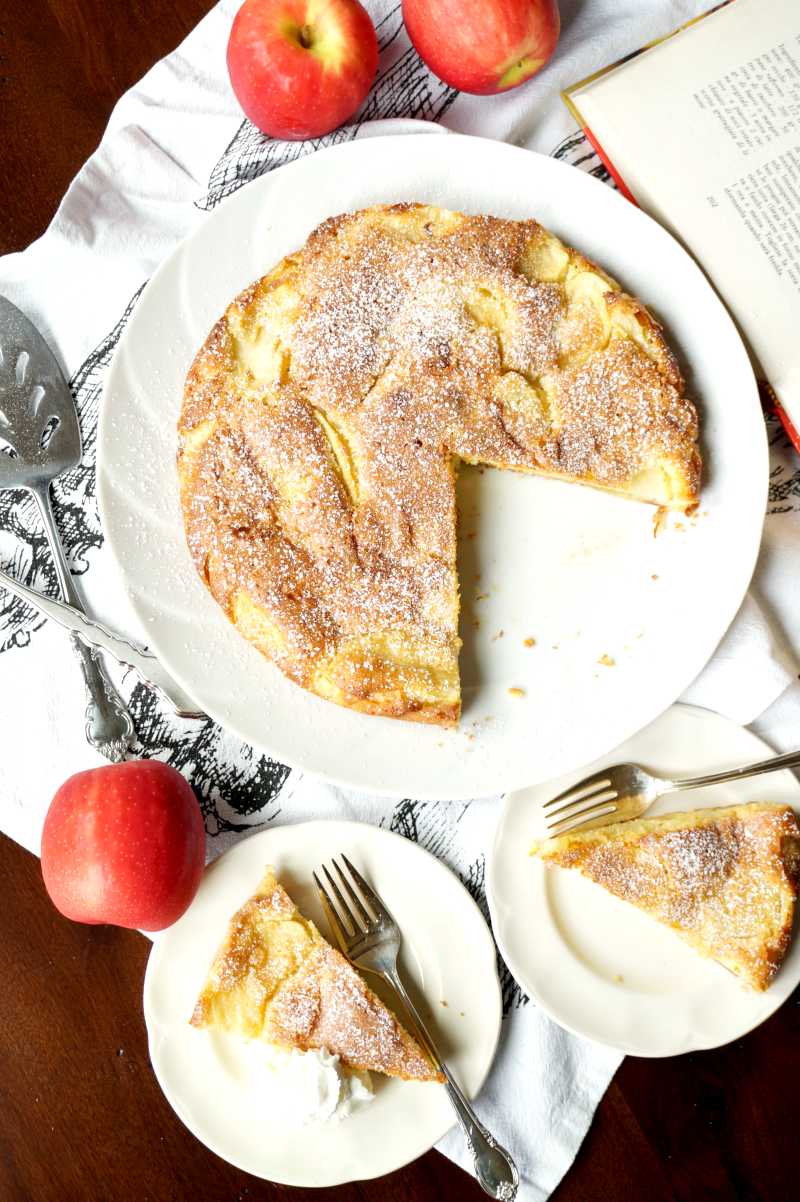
(373, 944)
(626, 791)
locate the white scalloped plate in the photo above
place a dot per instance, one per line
(596, 964)
(574, 569)
(448, 955)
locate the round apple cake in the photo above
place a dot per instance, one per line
(325, 417)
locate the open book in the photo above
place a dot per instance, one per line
(702, 130)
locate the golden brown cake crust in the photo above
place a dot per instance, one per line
(724, 879)
(325, 417)
(277, 979)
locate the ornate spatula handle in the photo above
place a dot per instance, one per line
(109, 726)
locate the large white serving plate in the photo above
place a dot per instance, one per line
(448, 956)
(574, 569)
(596, 964)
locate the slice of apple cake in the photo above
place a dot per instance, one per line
(277, 979)
(724, 880)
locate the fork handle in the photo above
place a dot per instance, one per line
(494, 1168)
(109, 726)
(790, 760)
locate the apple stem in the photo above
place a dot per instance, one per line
(305, 36)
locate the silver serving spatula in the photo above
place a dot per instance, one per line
(39, 426)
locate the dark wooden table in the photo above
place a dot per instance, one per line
(81, 1115)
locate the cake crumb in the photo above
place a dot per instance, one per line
(607, 660)
(497, 636)
(516, 692)
(660, 520)
(654, 577)
(530, 642)
(618, 980)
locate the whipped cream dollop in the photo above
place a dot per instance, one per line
(309, 1088)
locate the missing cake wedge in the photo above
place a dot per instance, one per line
(278, 980)
(724, 879)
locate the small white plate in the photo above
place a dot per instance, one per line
(596, 964)
(574, 569)
(448, 956)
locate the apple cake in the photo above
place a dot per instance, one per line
(325, 417)
(724, 879)
(277, 979)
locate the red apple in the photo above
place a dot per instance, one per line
(483, 46)
(300, 68)
(124, 844)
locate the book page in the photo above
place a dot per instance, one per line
(705, 130)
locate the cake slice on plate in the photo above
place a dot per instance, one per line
(724, 879)
(277, 979)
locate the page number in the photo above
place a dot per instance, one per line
(712, 202)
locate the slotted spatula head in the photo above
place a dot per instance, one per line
(39, 433)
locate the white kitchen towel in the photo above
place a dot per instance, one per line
(748, 671)
(176, 145)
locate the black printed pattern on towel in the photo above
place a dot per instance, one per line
(577, 151)
(784, 470)
(403, 87)
(434, 826)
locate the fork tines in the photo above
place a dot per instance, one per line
(594, 795)
(591, 785)
(368, 921)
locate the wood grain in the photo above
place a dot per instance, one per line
(64, 65)
(83, 1117)
(715, 1125)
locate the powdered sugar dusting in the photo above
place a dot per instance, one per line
(330, 1006)
(725, 880)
